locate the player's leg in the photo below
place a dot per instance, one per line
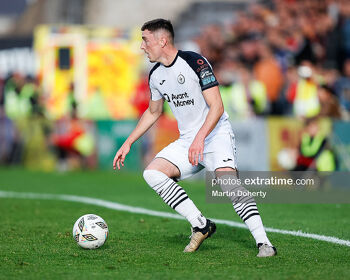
(247, 210)
(159, 175)
(220, 157)
(172, 163)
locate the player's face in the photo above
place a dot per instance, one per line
(151, 45)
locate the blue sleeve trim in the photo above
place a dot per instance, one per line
(201, 68)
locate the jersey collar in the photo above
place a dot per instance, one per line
(171, 64)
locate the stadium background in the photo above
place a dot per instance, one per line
(73, 83)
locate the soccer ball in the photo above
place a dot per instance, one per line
(90, 231)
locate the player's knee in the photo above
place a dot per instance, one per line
(154, 177)
(226, 170)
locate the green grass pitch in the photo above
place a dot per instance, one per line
(36, 235)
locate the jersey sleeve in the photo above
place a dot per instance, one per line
(202, 68)
(155, 94)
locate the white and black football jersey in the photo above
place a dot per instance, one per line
(181, 85)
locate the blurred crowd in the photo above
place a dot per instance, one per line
(29, 137)
(278, 57)
(283, 57)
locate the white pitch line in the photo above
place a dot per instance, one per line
(139, 210)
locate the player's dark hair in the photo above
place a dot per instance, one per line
(157, 24)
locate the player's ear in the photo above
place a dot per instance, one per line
(163, 42)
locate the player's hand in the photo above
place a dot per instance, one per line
(120, 156)
(196, 151)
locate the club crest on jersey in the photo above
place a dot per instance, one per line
(181, 79)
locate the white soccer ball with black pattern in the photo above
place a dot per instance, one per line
(90, 231)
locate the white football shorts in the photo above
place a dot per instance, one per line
(219, 152)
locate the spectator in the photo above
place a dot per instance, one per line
(342, 86)
(246, 97)
(10, 145)
(303, 94)
(314, 150)
(268, 71)
(292, 32)
(329, 103)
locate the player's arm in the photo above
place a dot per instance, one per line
(216, 109)
(149, 117)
